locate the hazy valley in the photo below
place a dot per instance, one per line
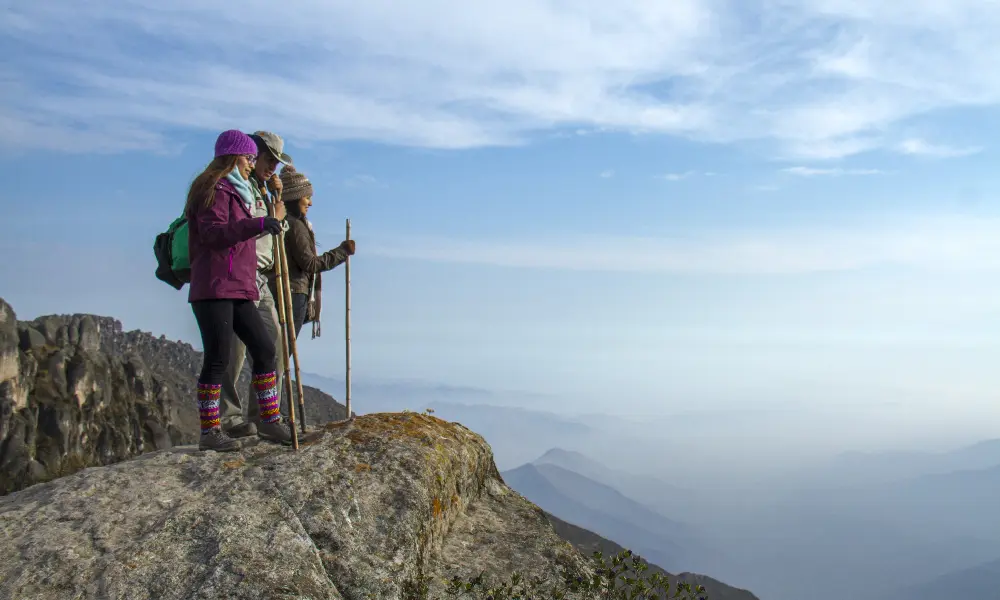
(887, 525)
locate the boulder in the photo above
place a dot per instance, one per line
(364, 509)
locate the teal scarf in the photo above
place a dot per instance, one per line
(242, 186)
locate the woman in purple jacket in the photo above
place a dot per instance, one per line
(222, 239)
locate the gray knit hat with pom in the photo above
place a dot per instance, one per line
(294, 185)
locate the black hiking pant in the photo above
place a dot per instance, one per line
(218, 320)
(299, 304)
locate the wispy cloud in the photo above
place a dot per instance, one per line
(918, 147)
(835, 172)
(945, 243)
(607, 174)
(363, 179)
(676, 176)
(816, 79)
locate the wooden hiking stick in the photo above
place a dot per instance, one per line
(347, 325)
(280, 278)
(291, 336)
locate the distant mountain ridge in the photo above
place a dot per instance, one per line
(602, 497)
(387, 395)
(651, 491)
(589, 542)
(861, 468)
(517, 435)
(606, 511)
(981, 582)
(533, 483)
(590, 514)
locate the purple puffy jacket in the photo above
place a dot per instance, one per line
(222, 241)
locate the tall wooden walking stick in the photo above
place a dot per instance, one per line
(281, 284)
(347, 326)
(291, 337)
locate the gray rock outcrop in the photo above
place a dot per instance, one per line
(77, 391)
(363, 510)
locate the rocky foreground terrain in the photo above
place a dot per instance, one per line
(77, 391)
(368, 509)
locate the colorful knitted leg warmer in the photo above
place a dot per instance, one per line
(208, 406)
(266, 386)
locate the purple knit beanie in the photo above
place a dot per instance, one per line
(234, 141)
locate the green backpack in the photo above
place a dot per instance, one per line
(173, 265)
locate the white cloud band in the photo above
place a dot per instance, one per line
(819, 78)
(947, 243)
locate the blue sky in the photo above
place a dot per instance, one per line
(649, 206)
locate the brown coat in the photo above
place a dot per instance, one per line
(303, 263)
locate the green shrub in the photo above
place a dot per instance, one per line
(624, 578)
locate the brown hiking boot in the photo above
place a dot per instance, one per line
(275, 432)
(218, 441)
(242, 430)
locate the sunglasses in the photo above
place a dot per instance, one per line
(251, 158)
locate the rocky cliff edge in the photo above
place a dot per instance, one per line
(78, 391)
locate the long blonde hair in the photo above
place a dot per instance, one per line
(203, 186)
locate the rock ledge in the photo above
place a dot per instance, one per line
(359, 511)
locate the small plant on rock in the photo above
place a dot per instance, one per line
(514, 589)
(623, 578)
